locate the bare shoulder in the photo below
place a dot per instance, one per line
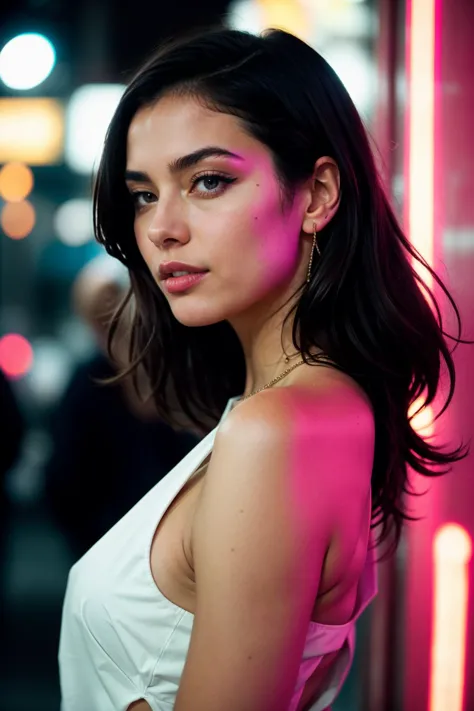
(331, 401)
(323, 424)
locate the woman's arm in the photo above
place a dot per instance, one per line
(262, 529)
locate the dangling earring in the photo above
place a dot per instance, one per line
(315, 244)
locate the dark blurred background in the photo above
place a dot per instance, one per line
(75, 456)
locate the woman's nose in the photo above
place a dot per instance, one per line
(166, 229)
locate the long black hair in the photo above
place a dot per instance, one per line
(364, 306)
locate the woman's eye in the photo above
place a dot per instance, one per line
(142, 197)
(212, 183)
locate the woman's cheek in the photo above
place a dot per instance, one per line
(278, 258)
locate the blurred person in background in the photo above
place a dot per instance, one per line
(275, 294)
(12, 431)
(108, 445)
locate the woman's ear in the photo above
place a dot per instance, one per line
(323, 195)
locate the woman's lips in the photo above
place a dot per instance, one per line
(175, 285)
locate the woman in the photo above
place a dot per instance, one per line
(238, 186)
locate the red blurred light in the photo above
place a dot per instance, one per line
(16, 355)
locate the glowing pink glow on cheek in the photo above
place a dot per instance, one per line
(275, 251)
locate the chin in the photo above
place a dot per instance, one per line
(194, 318)
(206, 312)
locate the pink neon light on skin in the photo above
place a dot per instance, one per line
(452, 551)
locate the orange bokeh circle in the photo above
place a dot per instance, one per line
(18, 219)
(16, 181)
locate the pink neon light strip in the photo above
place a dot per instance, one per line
(422, 61)
(452, 551)
(421, 127)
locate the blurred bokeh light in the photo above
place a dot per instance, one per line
(26, 61)
(73, 222)
(50, 369)
(339, 29)
(16, 182)
(16, 355)
(18, 219)
(290, 15)
(31, 130)
(89, 112)
(452, 542)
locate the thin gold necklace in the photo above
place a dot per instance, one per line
(275, 380)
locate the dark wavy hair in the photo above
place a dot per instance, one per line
(364, 306)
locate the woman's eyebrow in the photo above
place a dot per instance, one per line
(137, 176)
(195, 157)
(185, 162)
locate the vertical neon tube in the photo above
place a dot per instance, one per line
(420, 149)
(452, 550)
(421, 127)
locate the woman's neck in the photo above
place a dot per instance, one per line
(266, 346)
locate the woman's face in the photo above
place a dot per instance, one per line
(220, 212)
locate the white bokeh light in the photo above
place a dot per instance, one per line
(26, 61)
(51, 369)
(245, 15)
(356, 70)
(73, 222)
(89, 113)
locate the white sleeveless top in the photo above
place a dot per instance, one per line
(122, 640)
